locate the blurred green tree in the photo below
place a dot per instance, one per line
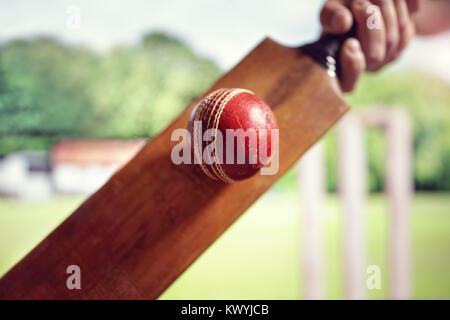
(139, 90)
(44, 94)
(49, 90)
(427, 99)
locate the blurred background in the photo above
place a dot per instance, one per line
(84, 84)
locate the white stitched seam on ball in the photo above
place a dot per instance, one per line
(212, 96)
(222, 175)
(218, 104)
(196, 133)
(217, 167)
(217, 96)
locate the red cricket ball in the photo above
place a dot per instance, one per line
(231, 134)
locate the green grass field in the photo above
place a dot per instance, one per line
(260, 256)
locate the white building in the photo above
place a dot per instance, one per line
(26, 175)
(83, 166)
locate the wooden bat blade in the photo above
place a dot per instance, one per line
(152, 219)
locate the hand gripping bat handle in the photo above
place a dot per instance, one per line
(326, 50)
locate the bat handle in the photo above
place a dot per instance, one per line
(326, 50)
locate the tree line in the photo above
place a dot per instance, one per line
(50, 90)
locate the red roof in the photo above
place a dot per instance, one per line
(95, 152)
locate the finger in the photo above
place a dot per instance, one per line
(353, 64)
(335, 17)
(410, 31)
(389, 13)
(405, 25)
(370, 32)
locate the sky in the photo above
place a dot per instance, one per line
(221, 30)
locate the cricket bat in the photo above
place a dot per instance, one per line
(152, 219)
